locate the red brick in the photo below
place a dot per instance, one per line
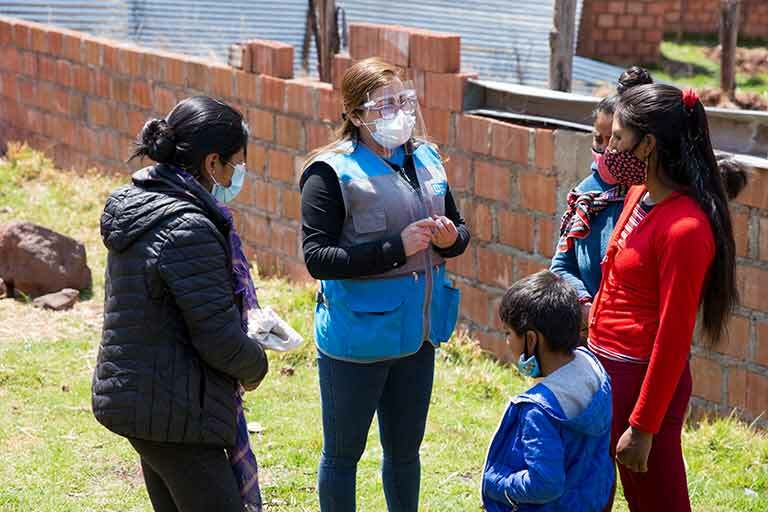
(300, 98)
(291, 204)
(47, 68)
(463, 265)
(646, 22)
(615, 34)
(628, 22)
(318, 135)
(635, 7)
(10, 59)
(141, 94)
(281, 166)
(38, 39)
(99, 113)
(153, 65)
(130, 62)
(459, 171)
(28, 94)
(110, 57)
(93, 52)
(548, 231)
(516, 230)
(707, 379)
(617, 7)
(653, 36)
(394, 44)
(764, 239)
(756, 192)
(753, 283)
(261, 195)
(198, 76)
(510, 142)
(136, 121)
(527, 266)
(273, 93)
(479, 217)
(606, 21)
(262, 124)
(473, 134)
(537, 192)
(545, 149)
(363, 40)
(329, 105)
(341, 62)
(296, 271)
(761, 350)
(495, 344)
(475, 304)
(437, 124)
(435, 51)
(257, 229)
(736, 343)
(445, 90)
(285, 239)
(492, 181)
(21, 35)
(64, 73)
(72, 47)
(102, 84)
(271, 58)
(741, 232)
(495, 268)
(164, 100)
(29, 63)
(175, 71)
(256, 159)
(248, 87)
(10, 87)
(81, 78)
(222, 81)
(290, 132)
(757, 394)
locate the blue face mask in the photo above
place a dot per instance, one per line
(529, 366)
(228, 194)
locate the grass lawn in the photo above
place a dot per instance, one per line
(54, 457)
(687, 64)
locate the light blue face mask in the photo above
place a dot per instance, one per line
(228, 194)
(529, 366)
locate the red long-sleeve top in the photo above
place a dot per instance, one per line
(646, 308)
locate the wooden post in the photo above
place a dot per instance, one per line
(561, 45)
(729, 36)
(327, 37)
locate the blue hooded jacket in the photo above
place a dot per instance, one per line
(541, 460)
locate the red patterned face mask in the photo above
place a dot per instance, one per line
(627, 168)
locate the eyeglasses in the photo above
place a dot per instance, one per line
(387, 107)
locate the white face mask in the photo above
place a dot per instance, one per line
(393, 133)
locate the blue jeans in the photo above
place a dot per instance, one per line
(398, 391)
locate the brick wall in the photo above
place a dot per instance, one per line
(83, 99)
(703, 17)
(631, 31)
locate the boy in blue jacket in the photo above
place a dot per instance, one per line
(551, 450)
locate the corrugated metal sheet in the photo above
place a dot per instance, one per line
(504, 40)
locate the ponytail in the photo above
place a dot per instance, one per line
(679, 123)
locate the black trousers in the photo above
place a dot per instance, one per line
(188, 478)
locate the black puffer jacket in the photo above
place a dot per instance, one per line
(172, 346)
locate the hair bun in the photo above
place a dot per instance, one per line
(157, 142)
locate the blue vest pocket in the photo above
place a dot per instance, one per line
(444, 312)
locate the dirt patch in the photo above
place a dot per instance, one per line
(714, 97)
(750, 61)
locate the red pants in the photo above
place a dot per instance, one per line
(664, 486)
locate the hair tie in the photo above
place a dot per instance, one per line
(690, 98)
(343, 116)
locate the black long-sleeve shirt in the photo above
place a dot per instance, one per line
(323, 213)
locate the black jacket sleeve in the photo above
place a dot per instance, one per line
(461, 243)
(323, 214)
(193, 265)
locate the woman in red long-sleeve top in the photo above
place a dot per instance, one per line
(672, 252)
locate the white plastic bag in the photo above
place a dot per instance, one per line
(271, 331)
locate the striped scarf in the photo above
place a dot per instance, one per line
(582, 206)
(241, 457)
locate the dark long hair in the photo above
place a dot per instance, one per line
(193, 129)
(631, 77)
(688, 164)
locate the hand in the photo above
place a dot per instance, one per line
(417, 236)
(586, 307)
(633, 449)
(445, 234)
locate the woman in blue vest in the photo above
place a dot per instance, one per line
(379, 221)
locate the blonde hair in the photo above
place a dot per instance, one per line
(359, 81)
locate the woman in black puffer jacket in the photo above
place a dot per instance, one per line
(174, 349)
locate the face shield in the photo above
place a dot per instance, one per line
(393, 114)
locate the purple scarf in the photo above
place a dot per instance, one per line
(241, 456)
